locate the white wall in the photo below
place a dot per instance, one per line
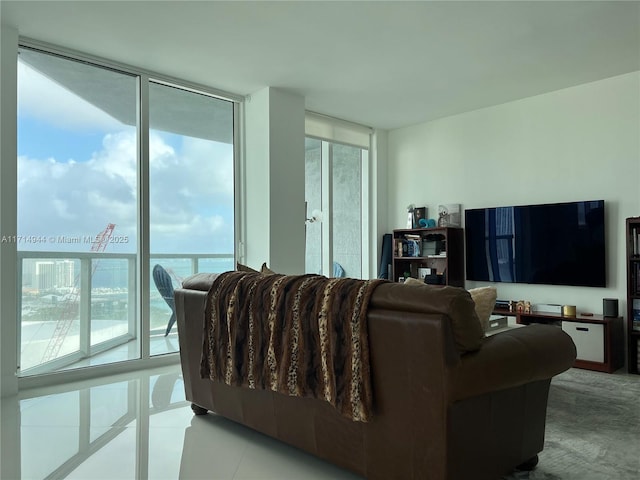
(379, 210)
(579, 143)
(273, 190)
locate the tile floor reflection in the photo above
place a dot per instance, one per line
(138, 426)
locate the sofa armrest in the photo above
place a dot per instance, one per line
(199, 281)
(512, 358)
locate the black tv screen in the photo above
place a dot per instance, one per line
(551, 244)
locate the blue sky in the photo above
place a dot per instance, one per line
(77, 172)
(40, 139)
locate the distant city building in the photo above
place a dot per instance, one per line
(29, 273)
(65, 273)
(48, 274)
(45, 275)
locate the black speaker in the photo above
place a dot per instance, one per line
(610, 307)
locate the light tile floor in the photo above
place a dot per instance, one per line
(138, 426)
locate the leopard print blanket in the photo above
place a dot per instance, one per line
(301, 335)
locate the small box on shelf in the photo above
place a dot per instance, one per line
(428, 247)
(423, 272)
(436, 278)
(433, 244)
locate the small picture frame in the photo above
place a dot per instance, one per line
(419, 213)
(449, 215)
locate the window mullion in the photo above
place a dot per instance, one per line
(327, 214)
(143, 285)
(365, 213)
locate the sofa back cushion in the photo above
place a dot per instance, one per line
(454, 302)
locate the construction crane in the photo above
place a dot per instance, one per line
(71, 302)
(102, 239)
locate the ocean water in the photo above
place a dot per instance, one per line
(44, 298)
(115, 273)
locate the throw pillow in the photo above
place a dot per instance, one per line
(485, 300)
(266, 270)
(413, 281)
(243, 268)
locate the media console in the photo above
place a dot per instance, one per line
(599, 340)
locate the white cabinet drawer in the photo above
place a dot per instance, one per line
(589, 340)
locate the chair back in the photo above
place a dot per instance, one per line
(163, 282)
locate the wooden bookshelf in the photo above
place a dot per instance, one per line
(633, 292)
(440, 249)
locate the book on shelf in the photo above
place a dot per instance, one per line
(636, 315)
(397, 247)
(635, 238)
(635, 241)
(413, 248)
(407, 248)
(634, 278)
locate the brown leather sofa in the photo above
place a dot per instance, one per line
(448, 403)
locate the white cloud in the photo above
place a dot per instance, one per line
(117, 159)
(191, 196)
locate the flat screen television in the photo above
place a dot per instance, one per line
(551, 244)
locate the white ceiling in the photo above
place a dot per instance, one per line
(385, 64)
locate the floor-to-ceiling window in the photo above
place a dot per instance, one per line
(77, 214)
(102, 200)
(336, 197)
(191, 194)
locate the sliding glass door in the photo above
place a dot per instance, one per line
(190, 197)
(334, 192)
